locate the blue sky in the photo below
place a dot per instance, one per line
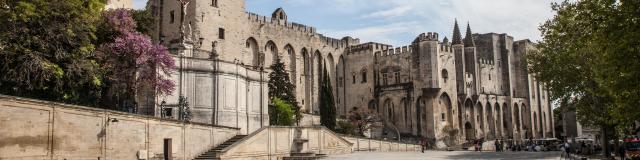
(398, 22)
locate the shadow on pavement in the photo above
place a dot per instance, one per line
(504, 155)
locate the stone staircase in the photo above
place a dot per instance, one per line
(212, 154)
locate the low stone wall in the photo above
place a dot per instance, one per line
(309, 120)
(277, 142)
(365, 144)
(32, 129)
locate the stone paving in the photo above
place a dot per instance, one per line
(441, 155)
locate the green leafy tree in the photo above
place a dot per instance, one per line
(327, 105)
(589, 57)
(280, 86)
(280, 113)
(145, 21)
(46, 49)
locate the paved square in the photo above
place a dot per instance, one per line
(439, 155)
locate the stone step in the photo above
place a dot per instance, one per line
(213, 153)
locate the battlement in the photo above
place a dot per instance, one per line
(359, 48)
(446, 47)
(369, 46)
(429, 36)
(395, 51)
(485, 62)
(289, 25)
(296, 27)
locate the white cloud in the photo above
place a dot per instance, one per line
(518, 18)
(386, 33)
(394, 12)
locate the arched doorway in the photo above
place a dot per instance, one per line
(468, 129)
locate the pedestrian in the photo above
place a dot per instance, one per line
(479, 145)
(496, 144)
(423, 143)
(622, 151)
(567, 148)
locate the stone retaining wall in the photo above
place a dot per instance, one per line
(365, 144)
(32, 129)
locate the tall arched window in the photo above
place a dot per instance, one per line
(364, 76)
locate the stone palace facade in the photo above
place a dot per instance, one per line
(446, 90)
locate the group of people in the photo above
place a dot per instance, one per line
(501, 145)
(581, 148)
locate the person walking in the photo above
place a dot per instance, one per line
(622, 151)
(567, 149)
(423, 143)
(496, 144)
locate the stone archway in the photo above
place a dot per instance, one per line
(449, 129)
(470, 117)
(469, 131)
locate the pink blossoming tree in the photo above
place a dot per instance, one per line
(131, 61)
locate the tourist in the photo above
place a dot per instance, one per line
(496, 144)
(622, 151)
(567, 148)
(423, 143)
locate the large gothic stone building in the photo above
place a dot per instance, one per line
(446, 90)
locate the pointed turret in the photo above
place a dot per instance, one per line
(468, 38)
(445, 40)
(457, 37)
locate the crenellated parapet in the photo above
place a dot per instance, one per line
(429, 36)
(485, 62)
(446, 47)
(366, 48)
(295, 27)
(395, 52)
(288, 25)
